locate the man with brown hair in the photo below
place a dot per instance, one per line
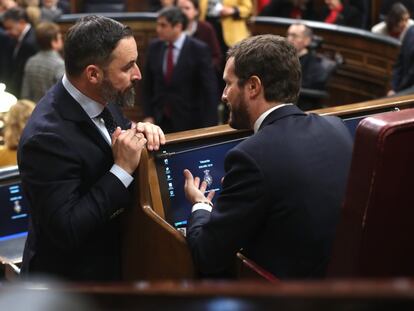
(283, 185)
(46, 67)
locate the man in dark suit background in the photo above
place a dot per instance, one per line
(77, 155)
(403, 72)
(5, 55)
(180, 86)
(284, 185)
(314, 74)
(17, 26)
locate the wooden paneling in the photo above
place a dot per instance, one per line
(365, 75)
(368, 58)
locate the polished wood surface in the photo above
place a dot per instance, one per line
(153, 249)
(369, 107)
(394, 294)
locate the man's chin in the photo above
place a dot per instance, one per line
(237, 125)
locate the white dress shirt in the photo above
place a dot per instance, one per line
(93, 109)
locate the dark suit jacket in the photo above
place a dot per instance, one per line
(281, 197)
(192, 92)
(314, 75)
(403, 71)
(64, 163)
(5, 56)
(27, 49)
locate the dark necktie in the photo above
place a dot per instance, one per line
(170, 63)
(108, 120)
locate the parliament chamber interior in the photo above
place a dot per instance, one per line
(372, 262)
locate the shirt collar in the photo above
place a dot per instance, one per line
(263, 116)
(178, 44)
(24, 32)
(91, 107)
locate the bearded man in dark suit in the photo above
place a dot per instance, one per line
(77, 155)
(284, 185)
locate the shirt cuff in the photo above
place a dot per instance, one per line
(122, 175)
(203, 206)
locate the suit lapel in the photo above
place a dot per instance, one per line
(159, 59)
(70, 110)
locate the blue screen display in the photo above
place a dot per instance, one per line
(13, 211)
(206, 162)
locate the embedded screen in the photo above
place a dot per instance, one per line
(205, 161)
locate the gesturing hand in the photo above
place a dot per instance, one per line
(194, 191)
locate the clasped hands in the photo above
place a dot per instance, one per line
(127, 145)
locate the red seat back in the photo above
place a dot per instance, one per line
(375, 235)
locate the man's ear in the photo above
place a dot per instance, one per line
(254, 86)
(94, 74)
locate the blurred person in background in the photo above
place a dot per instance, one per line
(46, 67)
(300, 36)
(202, 30)
(6, 4)
(23, 46)
(14, 123)
(228, 18)
(180, 86)
(403, 71)
(342, 12)
(32, 8)
(50, 10)
(387, 4)
(299, 9)
(396, 22)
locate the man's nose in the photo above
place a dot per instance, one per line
(136, 75)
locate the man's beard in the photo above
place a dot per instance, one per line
(122, 98)
(239, 115)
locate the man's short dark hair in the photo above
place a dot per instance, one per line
(46, 32)
(274, 61)
(91, 41)
(16, 14)
(174, 16)
(395, 16)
